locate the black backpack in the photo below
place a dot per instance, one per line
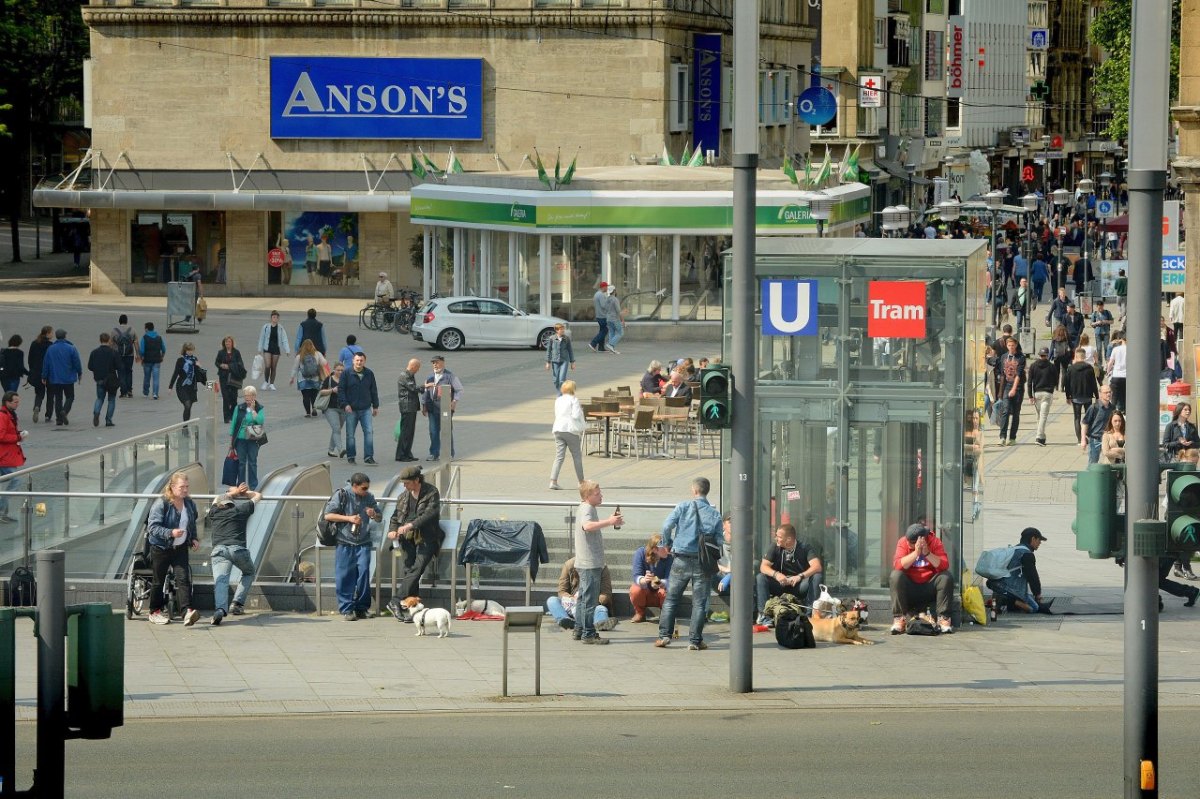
(124, 342)
(22, 588)
(794, 631)
(326, 530)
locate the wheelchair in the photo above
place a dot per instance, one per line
(140, 584)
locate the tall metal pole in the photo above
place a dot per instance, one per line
(741, 493)
(48, 778)
(1148, 107)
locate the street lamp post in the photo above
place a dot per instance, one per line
(993, 200)
(1061, 199)
(820, 208)
(1085, 185)
(1032, 204)
(1106, 181)
(895, 218)
(911, 169)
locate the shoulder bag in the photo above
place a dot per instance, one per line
(321, 403)
(708, 554)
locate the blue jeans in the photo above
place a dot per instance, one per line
(125, 370)
(11, 384)
(559, 372)
(685, 569)
(352, 577)
(1093, 451)
(101, 394)
(247, 452)
(224, 558)
(149, 376)
(807, 590)
(353, 420)
(616, 331)
(555, 606)
(435, 433)
(601, 335)
(589, 599)
(4, 486)
(336, 418)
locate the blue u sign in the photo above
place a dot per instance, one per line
(376, 98)
(789, 307)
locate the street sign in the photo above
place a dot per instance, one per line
(1173, 270)
(1039, 39)
(1106, 209)
(869, 91)
(816, 105)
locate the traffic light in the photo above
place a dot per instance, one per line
(716, 397)
(95, 670)
(1099, 529)
(1183, 509)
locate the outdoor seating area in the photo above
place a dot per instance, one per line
(621, 424)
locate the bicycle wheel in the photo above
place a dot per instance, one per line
(138, 598)
(404, 320)
(362, 316)
(382, 319)
(370, 321)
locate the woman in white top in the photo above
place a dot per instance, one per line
(1089, 352)
(568, 430)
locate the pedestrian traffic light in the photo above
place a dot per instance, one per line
(1183, 509)
(95, 670)
(716, 397)
(1099, 529)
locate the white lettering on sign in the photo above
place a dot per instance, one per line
(347, 99)
(881, 309)
(956, 44)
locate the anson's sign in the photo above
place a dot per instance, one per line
(896, 309)
(376, 98)
(956, 46)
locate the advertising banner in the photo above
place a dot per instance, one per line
(706, 93)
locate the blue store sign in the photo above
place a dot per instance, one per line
(376, 98)
(816, 105)
(706, 93)
(789, 307)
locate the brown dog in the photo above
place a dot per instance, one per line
(841, 629)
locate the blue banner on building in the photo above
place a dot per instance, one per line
(376, 98)
(706, 93)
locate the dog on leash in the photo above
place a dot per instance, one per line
(841, 629)
(438, 618)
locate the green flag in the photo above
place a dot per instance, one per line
(541, 168)
(808, 176)
(558, 167)
(570, 173)
(665, 160)
(824, 172)
(454, 166)
(430, 167)
(687, 153)
(417, 169)
(849, 171)
(697, 158)
(790, 170)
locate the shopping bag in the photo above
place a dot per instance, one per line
(229, 471)
(256, 368)
(398, 429)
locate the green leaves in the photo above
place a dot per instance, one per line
(1111, 30)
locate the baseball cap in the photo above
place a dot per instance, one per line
(1030, 533)
(1044, 352)
(603, 285)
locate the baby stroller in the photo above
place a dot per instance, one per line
(141, 583)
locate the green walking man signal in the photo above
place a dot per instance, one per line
(716, 397)
(1183, 509)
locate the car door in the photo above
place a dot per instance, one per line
(464, 316)
(498, 324)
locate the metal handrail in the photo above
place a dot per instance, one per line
(547, 503)
(100, 450)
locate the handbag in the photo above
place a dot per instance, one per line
(229, 470)
(257, 433)
(321, 403)
(708, 553)
(112, 382)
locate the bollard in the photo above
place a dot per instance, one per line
(524, 620)
(8, 700)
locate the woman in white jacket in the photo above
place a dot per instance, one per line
(568, 431)
(273, 344)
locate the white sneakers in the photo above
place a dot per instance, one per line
(265, 386)
(190, 617)
(158, 617)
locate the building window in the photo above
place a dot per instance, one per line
(952, 113)
(933, 117)
(320, 248)
(783, 96)
(910, 115)
(677, 111)
(168, 246)
(881, 27)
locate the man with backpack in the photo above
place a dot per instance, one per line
(227, 520)
(151, 351)
(350, 512)
(125, 342)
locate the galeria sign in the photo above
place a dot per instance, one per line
(896, 309)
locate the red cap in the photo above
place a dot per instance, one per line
(603, 285)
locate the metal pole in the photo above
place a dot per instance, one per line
(215, 460)
(997, 278)
(1148, 107)
(742, 338)
(49, 778)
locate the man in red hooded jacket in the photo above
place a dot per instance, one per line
(919, 578)
(11, 455)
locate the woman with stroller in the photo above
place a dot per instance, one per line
(171, 533)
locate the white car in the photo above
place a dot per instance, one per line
(451, 323)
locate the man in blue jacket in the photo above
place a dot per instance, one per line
(359, 397)
(61, 370)
(681, 534)
(442, 384)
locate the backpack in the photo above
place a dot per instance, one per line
(794, 631)
(308, 368)
(1061, 349)
(22, 588)
(993, 564)
(326, 530)
(124, 341)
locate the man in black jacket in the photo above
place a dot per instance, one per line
(410, 404)
(1073, 322)
(105, 365)
(359, 397)
(1080, 387)
(415, 528)
(1043, 379)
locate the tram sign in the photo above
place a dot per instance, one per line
(789, 307)
(896, 309)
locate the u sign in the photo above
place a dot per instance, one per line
(789, 307)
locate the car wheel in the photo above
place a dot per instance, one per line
(451, 340)
(543, 339)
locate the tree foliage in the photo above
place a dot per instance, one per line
(1112, 30)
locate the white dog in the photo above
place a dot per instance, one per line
(422, 616)
(488, 607)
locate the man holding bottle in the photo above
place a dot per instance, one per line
(589, 560)
(352, 509)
